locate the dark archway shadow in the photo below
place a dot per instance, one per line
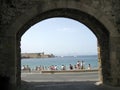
(77, 85)
(4, 82)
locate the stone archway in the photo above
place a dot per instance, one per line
(19, 16)
(97, 28)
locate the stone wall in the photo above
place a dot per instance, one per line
(101, 16)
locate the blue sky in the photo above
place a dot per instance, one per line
(59, 36)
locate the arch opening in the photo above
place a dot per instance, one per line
(95, 26)
(69, 41)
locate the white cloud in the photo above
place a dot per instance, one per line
(66, 29)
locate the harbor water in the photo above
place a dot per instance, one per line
(59, 61)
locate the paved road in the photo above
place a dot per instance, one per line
(63, 81)
(61, 77)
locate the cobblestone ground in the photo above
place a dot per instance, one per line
(86, 85)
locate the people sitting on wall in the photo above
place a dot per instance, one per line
(26, 68)
(89, 67)
(71, 67)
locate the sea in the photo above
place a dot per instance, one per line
(59, 61)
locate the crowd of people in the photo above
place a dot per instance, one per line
(77, 66)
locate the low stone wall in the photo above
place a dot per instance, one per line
(58, 71)
(67, 71)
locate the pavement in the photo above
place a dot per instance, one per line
(63, 81)
(60, 77)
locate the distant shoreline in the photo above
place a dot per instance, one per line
(36, 55)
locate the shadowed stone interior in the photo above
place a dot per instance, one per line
(101, 16)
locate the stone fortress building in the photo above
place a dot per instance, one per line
(101, 16)
(36, 55)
